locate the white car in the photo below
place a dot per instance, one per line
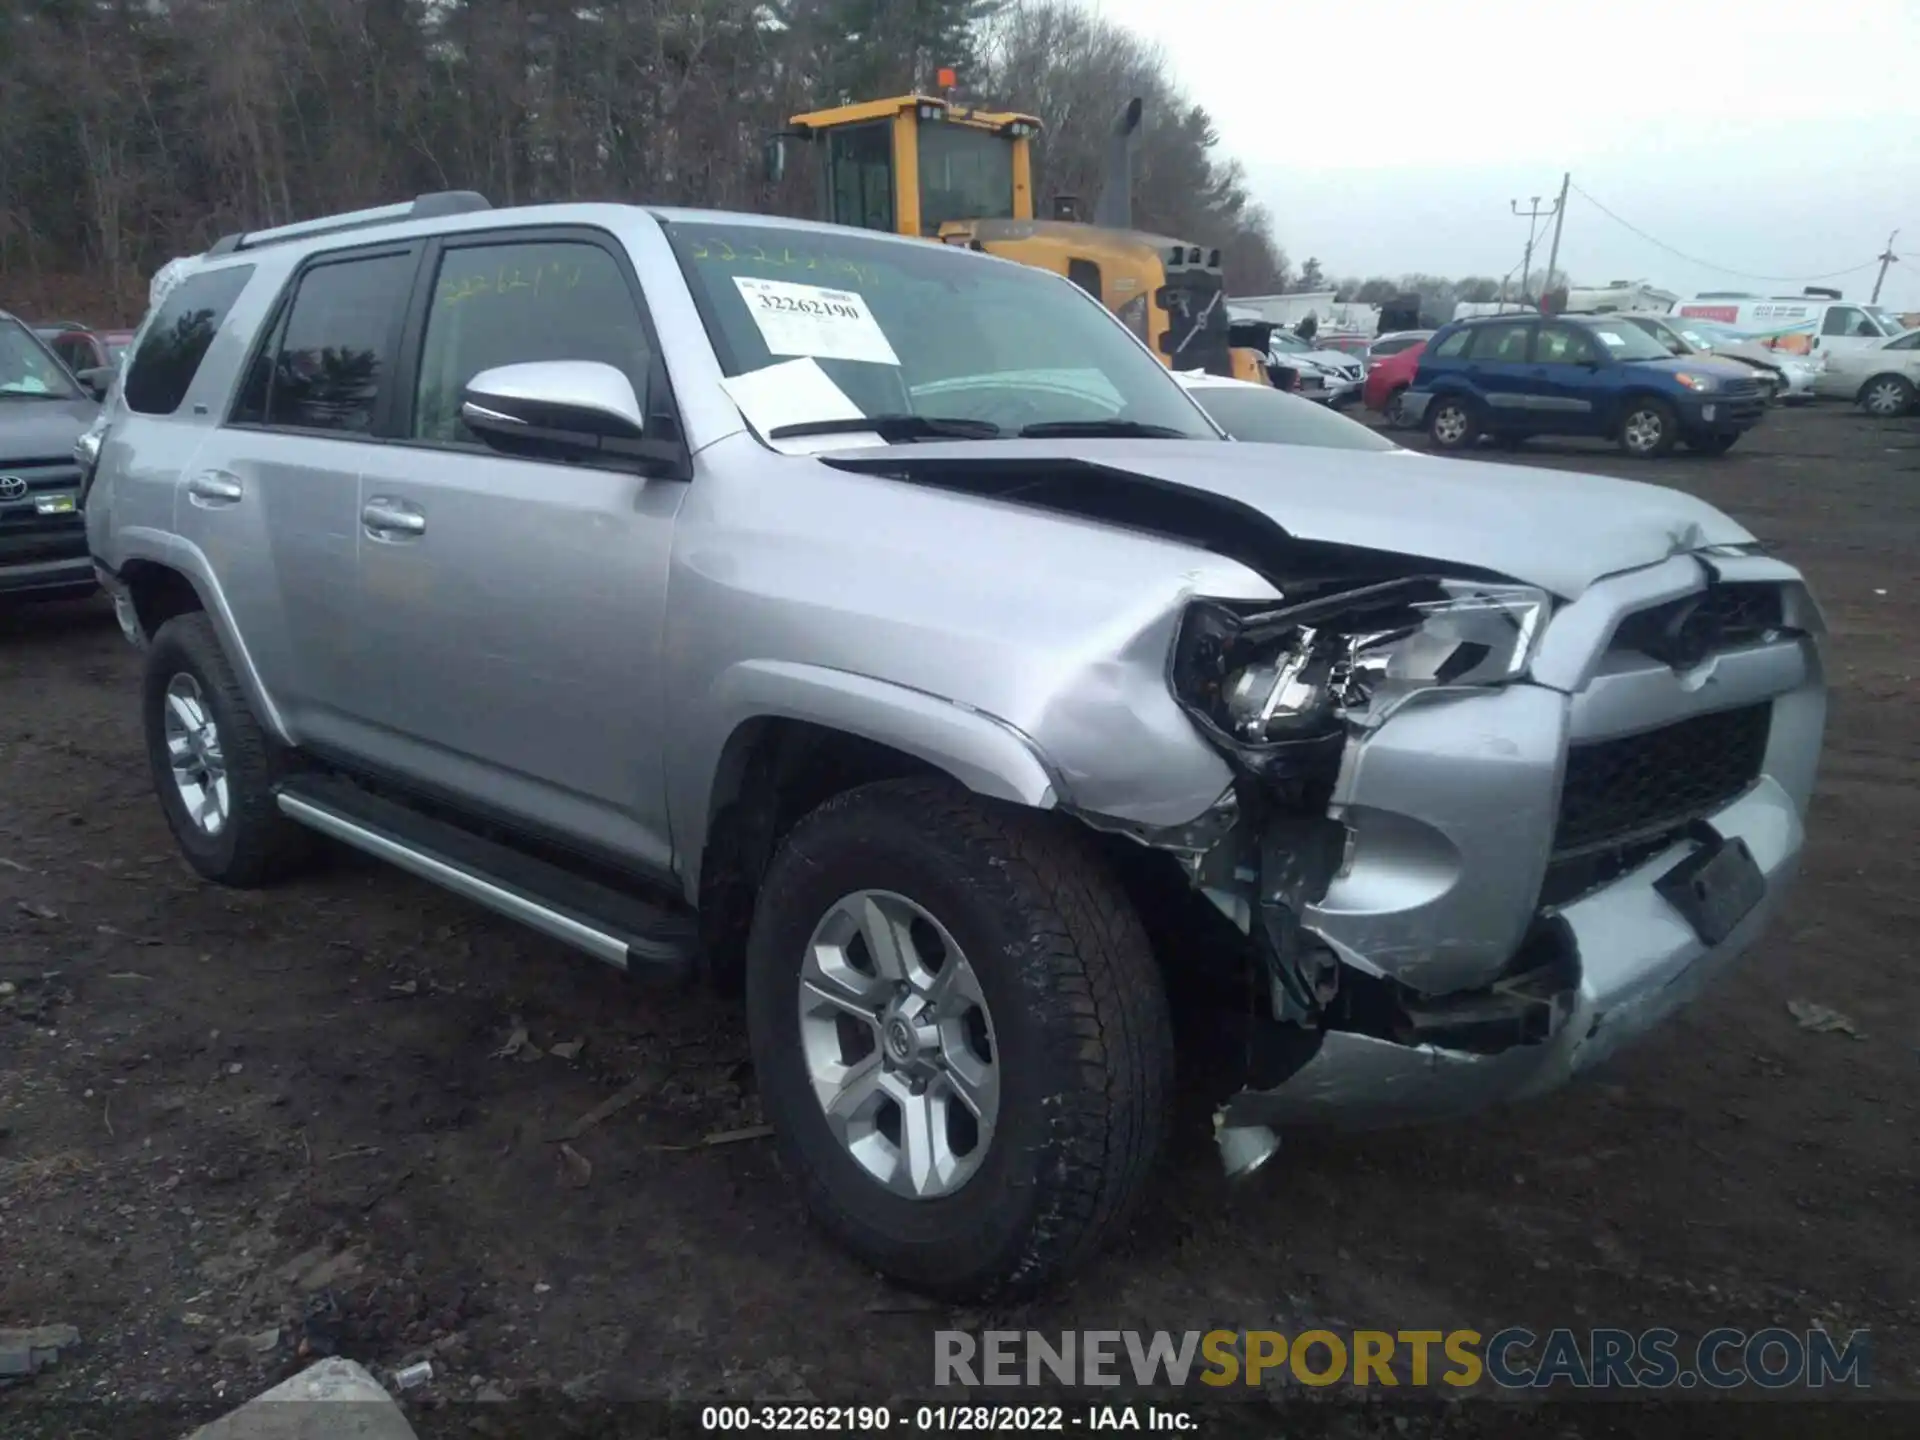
(1884, 380)
(1334, 375)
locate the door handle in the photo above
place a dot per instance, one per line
(389, 519)
(214, 488)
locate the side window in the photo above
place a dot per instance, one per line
(1502, 344)
(1845, 320)
(506, 304)
(860, 176)
(1905, 342)
(176, 341)
(327, 365)
(1562, 345)
(1085, 274)
(1453, 347)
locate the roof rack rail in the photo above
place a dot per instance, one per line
(422, 207)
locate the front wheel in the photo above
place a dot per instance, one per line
(1648, 428)
(960, 1034)
(1886, 396)
(1453, 423)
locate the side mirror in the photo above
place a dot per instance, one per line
(97, 380)
(775, 159)
(563, 410)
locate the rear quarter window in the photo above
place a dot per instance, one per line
(170, 353)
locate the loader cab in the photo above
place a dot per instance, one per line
(922, 166)
(914, 163)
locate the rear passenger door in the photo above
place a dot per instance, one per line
(1564, 387)
(507, 613)
(1501, 373)
(273, 497)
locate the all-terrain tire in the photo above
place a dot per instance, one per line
(255, 843)
(1082, 1038)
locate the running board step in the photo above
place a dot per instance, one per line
(605, 923)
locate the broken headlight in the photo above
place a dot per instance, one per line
(1300, 673)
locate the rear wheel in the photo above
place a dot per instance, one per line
(1648, 429)
(960, 1034)
(1453, 423)
(214, 765)
(1886, 396)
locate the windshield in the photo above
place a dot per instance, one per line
(965, 174)
(29, 368)
(919, 330)
(1269, 417)
(1281, 340)
(1627, 341)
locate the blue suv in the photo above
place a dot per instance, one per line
(1506, 377)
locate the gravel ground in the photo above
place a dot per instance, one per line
(241, 1129)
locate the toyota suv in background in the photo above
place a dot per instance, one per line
(1509, 377)
(43, 414)
(877, 627)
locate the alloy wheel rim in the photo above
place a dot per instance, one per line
(1451, 425)
(1643, 430)
(194, 754)
(898, 1044)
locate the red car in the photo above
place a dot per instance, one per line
(83, 349)
(1388, 380)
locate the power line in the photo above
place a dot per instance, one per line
(1708, 264)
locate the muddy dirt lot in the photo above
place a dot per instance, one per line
(239, 1126)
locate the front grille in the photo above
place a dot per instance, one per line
(1726, 616)
(1619, 792)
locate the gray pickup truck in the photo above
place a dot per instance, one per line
(878, 628)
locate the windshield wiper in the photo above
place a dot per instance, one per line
(893, 427)
(1083, 429)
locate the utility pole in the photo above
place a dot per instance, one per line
(1534, 216)
(1889, 258)
(1553, 251)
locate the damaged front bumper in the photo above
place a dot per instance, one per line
(1635, 960)
(1522, 885)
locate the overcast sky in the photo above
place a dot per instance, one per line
(1775, 137)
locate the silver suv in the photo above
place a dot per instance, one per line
(878, 627)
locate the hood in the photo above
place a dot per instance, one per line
(36, 429)
(1558, 530)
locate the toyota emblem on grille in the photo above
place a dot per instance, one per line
(12, 487)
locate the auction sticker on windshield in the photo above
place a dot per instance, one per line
(811, 320)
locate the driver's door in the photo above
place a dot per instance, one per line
(510, 611)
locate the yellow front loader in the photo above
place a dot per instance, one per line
(922, 165)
